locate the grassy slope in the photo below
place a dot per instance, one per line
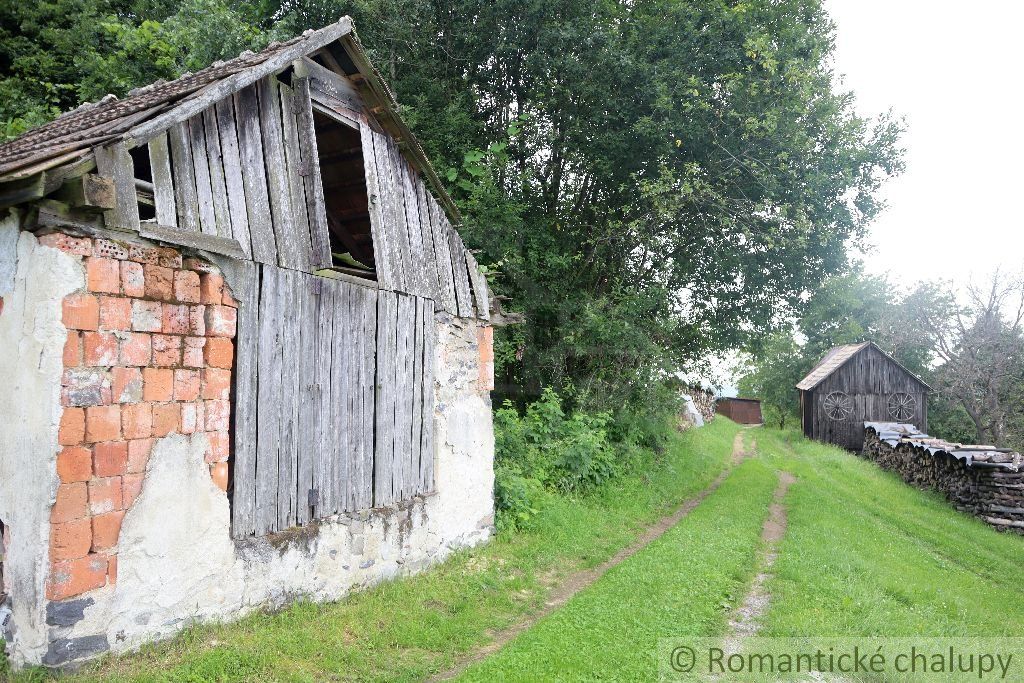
(866, 555)
(680, 585)
(407, 629)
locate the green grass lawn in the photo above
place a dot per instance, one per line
(863, 555)
(866, 555)
(682, 584)
(406, 630)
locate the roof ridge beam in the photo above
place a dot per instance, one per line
(218, 90)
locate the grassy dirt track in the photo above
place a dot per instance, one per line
(861, 554)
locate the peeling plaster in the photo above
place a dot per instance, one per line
(8, 252)
(177, 563)
(32, 337)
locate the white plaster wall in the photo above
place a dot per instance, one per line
(177, 563)
(464, 432)
(32, 340)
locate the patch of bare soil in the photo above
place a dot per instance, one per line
(744, 621)
(577, 581)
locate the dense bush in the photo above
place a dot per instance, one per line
(545, 451)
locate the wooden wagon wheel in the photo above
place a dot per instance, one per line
(838, 405)
(902, 406)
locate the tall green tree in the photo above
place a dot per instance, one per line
(857, 306)
(772, 374)
(58, 54)
(647, 181)
(676, 174)
(849, 308)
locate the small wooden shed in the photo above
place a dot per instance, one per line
(858, 383)
(744, 411)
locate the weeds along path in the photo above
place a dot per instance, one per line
(575, 583)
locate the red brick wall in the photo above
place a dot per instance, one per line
(149, 353)
(485, 347)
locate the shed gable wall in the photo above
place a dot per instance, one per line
(869, 378)
(333, 408)
(242, 178)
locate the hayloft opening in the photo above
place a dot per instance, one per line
(343, 174)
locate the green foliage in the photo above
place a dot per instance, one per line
(949, 420)
(857, 306)
(545, 448)
(772, 376)
(649, 182)
(848, 308)
(55, 55)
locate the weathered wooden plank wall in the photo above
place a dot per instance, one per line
(869, 378)
(163, 181)
(246, 168)
(309, 168)
(334, 382)
(244, 410)
(185, 197)
(116, 162)
(404, 397)
(334, 411)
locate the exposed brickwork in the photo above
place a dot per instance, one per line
(485, 347)
(149, 353)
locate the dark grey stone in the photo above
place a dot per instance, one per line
(64, 650)
(67, 612)
(87, 396)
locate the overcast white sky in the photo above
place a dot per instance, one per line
(953, 69)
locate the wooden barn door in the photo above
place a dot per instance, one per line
(334, 395)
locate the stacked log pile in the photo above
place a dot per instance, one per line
(705, 402)
(980, 480)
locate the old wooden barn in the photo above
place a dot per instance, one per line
(247, 354)
(859, 383)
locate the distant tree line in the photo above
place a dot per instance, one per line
(968, 345)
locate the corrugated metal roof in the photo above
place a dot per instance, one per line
(970, 455)
(829, 364)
